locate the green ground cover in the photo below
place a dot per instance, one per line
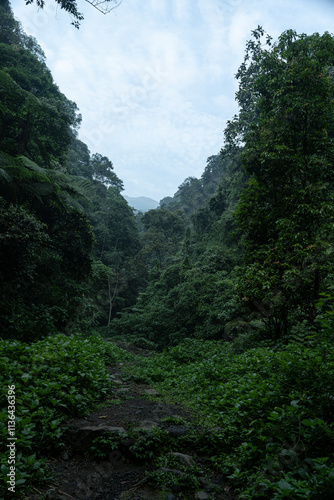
(273, 406)
(51, 380)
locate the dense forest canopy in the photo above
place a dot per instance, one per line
(235, 269)
(68, 234)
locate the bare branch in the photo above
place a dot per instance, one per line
(104, 6)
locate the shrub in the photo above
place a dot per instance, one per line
(54, 378)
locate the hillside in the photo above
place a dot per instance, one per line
(141, 203)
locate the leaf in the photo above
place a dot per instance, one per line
(20, 481)
(31, 164)
(284, 485)
(5, 176)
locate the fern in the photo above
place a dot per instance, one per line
(22, 175)
(301, 334)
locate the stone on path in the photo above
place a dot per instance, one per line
(174, 471)
(80, 438)
(151, 392)
(146, 425)
(201, 495)
(117, 381)
(183, 459)
(178, 430)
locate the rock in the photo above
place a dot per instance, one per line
(117, 381)
(208, 485)
(102, 428)
(151, 392)
(80, 489)
(178, 430)
(174, 471)
(216, 430)
(146, 425)
(116, 457)
(80, 438)
(94, 480)
(183, 459)
(201, 495)
(64, 456)
(170, 497)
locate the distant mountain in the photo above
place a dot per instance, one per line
(141, 203)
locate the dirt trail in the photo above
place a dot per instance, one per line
(122, 476)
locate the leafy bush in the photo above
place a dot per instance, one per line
(54, 378)
(274, 409)
(142, 444)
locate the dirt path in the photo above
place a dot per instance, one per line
(132, 407)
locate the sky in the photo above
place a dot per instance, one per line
(154, 80)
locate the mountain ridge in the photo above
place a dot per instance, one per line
(141, 203)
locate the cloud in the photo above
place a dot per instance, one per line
(154, 80)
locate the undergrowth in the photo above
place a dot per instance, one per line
(273, 406)
(54, 379)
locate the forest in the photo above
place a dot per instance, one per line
(229, 283)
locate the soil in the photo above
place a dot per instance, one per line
(122, 477)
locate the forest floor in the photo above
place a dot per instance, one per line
(132, 406)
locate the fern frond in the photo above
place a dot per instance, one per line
(4, 176)
(31, 165)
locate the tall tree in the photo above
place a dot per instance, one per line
(287, 207)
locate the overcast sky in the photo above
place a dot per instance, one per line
(154, 79)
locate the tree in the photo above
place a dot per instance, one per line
(45, 248)
(71, 6)
(52, 191)
(287, 209)
(102, 171)
(36, 119)
(164, 231)
(115, 280)
(10, 29)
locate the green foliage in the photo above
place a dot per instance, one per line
(148, 443)
(47, 284)
(273, 408)
(193, 193)
(325, 318)
(102, 446)
(143, 445)
(197, 302)
(54, 379)
(190, 292)
(102, 170)
(244, 254)
(36, 119)
(186, 482)
(163, 233)
(116, 268)
(47, 263)
(286, 121)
